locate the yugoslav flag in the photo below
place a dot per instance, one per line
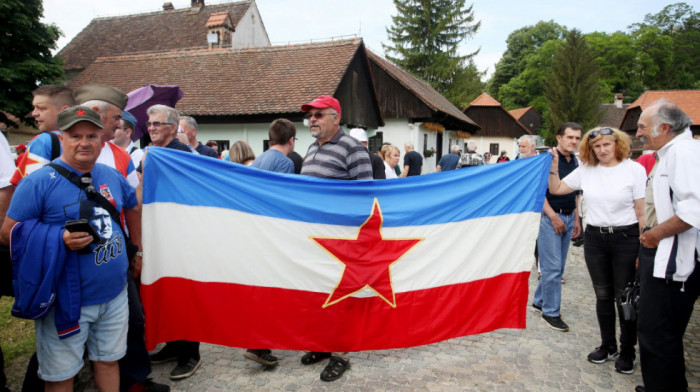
(242, 257)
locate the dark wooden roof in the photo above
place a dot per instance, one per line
(494, 119)
(155, 31)
(529, 117)
(251, 83)
(402, 95)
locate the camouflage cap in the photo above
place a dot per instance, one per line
(71, 116)
(100, 92)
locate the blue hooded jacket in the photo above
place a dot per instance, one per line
(45, 273)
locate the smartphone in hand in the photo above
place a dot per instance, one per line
(82, 225)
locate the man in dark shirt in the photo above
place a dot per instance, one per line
(162, 127)
(189, 125)
(558, 224)
(412, 161)
(377, 163)
(449, 161)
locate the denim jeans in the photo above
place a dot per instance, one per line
(610, 258)
(552, 250)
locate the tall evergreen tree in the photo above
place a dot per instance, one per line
(25, 55)
(425, 38)
(573, 92)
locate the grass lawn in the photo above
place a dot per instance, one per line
(17, 340)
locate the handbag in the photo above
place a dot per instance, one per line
(630, 300)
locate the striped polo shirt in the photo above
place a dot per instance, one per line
(341, 158)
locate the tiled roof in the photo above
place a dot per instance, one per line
(217, 19)
(687, 100)
(148, 32)
(485, 100)
(517, 113)
(422, 90)
(253, 81)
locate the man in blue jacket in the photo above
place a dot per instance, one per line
(49, 198)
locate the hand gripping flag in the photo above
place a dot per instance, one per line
(241, 257)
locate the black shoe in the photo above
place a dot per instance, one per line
(165, 354)
(640, 388)
(625, 362)
(264, 357)
(602, 354)
(184, 370)
(536, 308)
(148, 386)
(555, 323)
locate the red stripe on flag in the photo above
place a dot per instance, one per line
(253, 317)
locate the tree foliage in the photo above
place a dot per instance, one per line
(25, 55)
(425, 38)
(521, 44)
(572, 90)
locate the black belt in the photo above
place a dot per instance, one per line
(563, 211)
(613, 229)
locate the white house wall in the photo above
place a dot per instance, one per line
(250, 31)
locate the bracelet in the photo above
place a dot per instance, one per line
(556, 172)
(139, 254)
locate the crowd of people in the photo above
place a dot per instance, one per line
(66, 180)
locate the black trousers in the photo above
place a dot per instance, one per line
(135, 365)
(665, 308)
(610, 258)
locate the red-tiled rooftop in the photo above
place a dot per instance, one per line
(217, 19)
(485, 100)
(687, 100)
(148, 32)
(517, 113)
(269, 80)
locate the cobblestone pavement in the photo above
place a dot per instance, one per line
(533, 359)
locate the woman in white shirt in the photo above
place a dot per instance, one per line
(614, 187)
(390, 154)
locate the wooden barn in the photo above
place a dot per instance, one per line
(499, 129)
(529, 117)
(414, 111)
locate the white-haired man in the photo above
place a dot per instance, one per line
(470, 158)
(449, 161)
(526, 147)
(668, 259)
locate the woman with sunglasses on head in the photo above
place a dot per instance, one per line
(614, 187)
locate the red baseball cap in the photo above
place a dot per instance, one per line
(322, 102)
(20, 147)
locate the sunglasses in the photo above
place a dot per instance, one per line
(317, 115)
(604, 131)
(157, 124)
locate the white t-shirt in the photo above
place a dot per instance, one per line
(610, 192)
(7, 164)
(389, 171)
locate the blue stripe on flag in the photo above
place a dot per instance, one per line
(506, 188)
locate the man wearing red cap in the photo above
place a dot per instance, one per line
(334, 155)
(323, 114)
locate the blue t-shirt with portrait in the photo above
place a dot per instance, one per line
(53, 199)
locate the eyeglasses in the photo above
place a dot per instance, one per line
(157, 124)
(317, 115)
(604, 131)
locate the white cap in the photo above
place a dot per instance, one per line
(359, 134)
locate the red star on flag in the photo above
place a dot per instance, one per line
(367, 259)
(80, 112)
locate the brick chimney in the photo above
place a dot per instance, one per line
(197, 5)
(168, 6)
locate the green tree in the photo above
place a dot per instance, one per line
(522, 43)
(620, 69)
(572, 90)
(672, 38)
(25, 55)
(425, 38)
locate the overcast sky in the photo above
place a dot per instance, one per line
(301, 21)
